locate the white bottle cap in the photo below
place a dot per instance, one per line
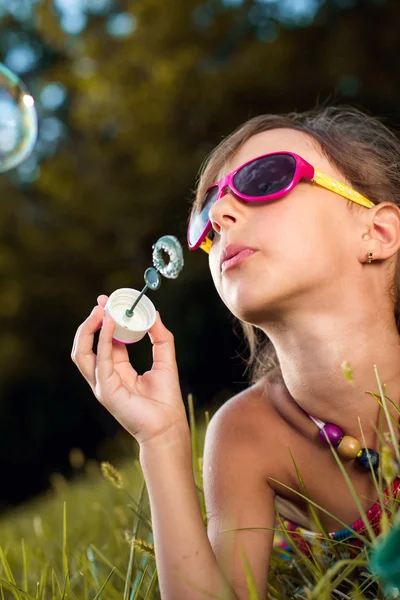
(130, 329)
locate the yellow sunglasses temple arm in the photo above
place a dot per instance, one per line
(206, 245)
(331, 184)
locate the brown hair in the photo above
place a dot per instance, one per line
(364, 150)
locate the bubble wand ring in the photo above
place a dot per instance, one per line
(172, 247)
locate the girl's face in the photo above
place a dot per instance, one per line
(303, 241)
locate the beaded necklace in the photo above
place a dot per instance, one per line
(346, 446)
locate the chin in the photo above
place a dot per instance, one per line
(254, 315)
(255, 309)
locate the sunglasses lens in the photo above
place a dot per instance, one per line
(200, 220)
(264, 176)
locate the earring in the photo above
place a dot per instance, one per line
(370, 254)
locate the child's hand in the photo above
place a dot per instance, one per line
(146, 405)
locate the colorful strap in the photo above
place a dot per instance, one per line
(303, 537)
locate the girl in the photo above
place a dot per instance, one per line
(299, 214)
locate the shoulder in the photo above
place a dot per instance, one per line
(245, 417)
(252, 402)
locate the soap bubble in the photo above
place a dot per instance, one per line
(18, 121)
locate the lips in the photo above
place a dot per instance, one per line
(232, 250)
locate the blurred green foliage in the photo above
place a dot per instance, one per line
(114, 169)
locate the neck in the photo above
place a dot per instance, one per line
(311, 360)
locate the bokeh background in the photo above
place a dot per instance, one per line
(131, 96)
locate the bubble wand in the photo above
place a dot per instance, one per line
(153, 281)
(131, 324)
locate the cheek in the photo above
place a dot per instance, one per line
(213, 263)
(296, 229)
(283, 234)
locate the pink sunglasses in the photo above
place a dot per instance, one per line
(267, 177)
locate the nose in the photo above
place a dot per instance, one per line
(225, 211)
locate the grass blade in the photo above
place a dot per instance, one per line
(10, 577)
(64, 550)
(303, 558)
(195, 454)
(15, 590)
(64, 590)
(97, 596)
(251, 586)
(139, 587)
(378, 485)
(193, 432)
(377, 398)
(313, 511)
(24, 565)
(128, 580)
(387, 415)
(353, 493)
(152, 585)
(105, 560)
(322, 584)
(42, 582)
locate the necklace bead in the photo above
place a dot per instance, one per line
(331, 432)
(349, 447)
(362, 459)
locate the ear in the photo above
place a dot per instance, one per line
(383, 235)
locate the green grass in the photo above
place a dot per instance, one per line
(90, 539)
(74, 537)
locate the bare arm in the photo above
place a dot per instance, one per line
(186, 564)
(237, 496)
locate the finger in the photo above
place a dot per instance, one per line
(102, 300)
(105, 363)
(119, 352)
(82, 350)
(119, 349)
(163, 346)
